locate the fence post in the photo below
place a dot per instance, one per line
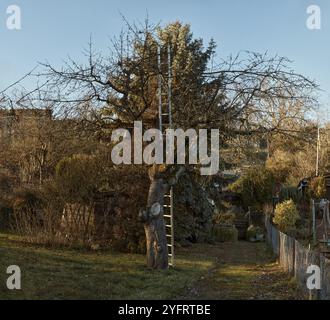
(314, 221)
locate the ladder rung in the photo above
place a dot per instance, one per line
(169, 235)
(167, 196)
(168, 226)
(169, 245)
(170, 255)
(165, 114)
(167, 216)
(166, 206)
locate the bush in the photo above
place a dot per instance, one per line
(222, 218)
(78, 177)
(193, 209)
(26, 217)
(317, 188)
(77, 182)
(280, 164)
(289, 192)
(255, 186)
(223, 233)
(7, 182)
(286, 215)
(101, 202)
(5, 214)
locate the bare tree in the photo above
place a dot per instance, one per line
(241, 96)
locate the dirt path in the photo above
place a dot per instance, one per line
(244, 271)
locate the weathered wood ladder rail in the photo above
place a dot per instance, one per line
(165, 122)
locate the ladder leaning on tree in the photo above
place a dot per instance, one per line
(165, 122)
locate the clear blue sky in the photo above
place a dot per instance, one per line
(53, 29)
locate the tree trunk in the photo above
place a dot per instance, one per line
(157, 254)
(162, 179)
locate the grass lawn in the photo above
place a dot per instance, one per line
(222, 271)
(74, 274)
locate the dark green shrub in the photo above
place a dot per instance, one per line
(289, 192)
(255, 186)
(122, 229)
(223, 233)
